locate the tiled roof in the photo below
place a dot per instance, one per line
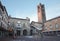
(52, 19)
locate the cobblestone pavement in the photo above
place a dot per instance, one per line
(5, 39)
(26, 38)
(31, 38)
(51, 38)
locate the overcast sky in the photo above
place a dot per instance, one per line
(28, 8)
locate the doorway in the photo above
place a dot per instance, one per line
(24, 32)
(18, 32)
(31, 32)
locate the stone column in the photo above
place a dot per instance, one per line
(21, 32)
(28, 32)
(15, 34)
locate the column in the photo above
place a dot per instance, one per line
(28, 32)
(21, 32)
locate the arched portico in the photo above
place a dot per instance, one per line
(18, 32)
(31, 32)
(24, 32)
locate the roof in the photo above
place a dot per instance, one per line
(18, 18)
(36, 22)
(52, 19)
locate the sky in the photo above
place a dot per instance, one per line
(28, 8)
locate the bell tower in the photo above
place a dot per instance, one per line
(41, 13)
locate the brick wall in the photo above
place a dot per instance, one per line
(52, 25)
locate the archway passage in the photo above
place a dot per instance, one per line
(31, 32)
(24, 32)
(18, 32)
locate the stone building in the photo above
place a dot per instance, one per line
(52, 26)
(36, 28)
(3, 20)
(20, 26)
(49, 27)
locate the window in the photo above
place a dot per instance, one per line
(45, 28)
(18, 24)
(56, 25)
(0, 13)
(51, 26)
(9, 23)
(0, 23)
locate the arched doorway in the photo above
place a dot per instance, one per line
(24, 32)
(18, 32)
(31, 32)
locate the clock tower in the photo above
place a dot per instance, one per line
(41, 13)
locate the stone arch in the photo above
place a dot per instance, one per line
(18, 32)
(31, 32)
(24, 32)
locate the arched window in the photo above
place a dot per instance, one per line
(24, 32)
(18, 23)
(18, 32)
(51, 27)
(31, 32)
(56, 26)
(46, 28)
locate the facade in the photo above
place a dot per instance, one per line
(36, 28)
(52, 26)
(3, 20)
(20, 26)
